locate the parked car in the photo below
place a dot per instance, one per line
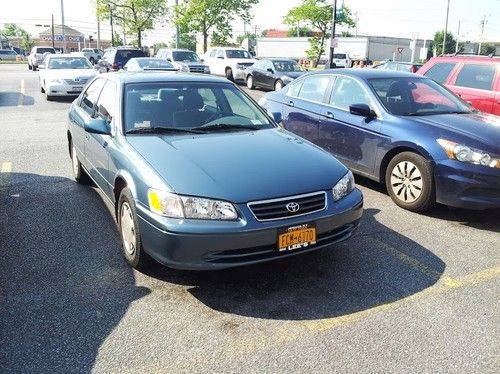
(148, 63)
(115, 59)
(20, 51)
(342, 60)
(186, 164)
(274, 73)
(64, 75)
(406, 131)
(91, 54)
(229, 62)
(37, 55)
(8, 55)
(184, 60)
(476, 79)
(410, 67)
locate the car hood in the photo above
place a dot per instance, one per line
(291, 74)
(244, 61)
(68, 73)
(239, 166)
(482, 127)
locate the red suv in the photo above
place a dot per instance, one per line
(475, 79)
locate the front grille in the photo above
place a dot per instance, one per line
(197, 69)
(269, 210)
(79, 82)
(245, 65)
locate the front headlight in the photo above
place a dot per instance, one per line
(343, 186)
(286, 78)
(55, 80)
(185, 68)
(177, 206)
(240, 67)
(463, 153)
(206, 69)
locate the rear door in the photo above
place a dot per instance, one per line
(304, 101)
(474, 83)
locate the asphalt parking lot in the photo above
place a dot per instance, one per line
(409, 293)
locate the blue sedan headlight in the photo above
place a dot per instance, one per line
(464, 153)
(343, 186)
(177, 206)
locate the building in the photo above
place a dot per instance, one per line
(75, 40)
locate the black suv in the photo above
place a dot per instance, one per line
(115, 58)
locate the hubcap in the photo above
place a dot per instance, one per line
(75, 160)
(128, 229)
(249, 82)
(279, 85)
(406, 181)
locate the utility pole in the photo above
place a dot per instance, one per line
(446, 28)
(356, 19)
(98, 33)
(332, 37)
(63, 26)
(177, 36)
(458, 36)
(483, 22)
(111, 24)
(52, 32)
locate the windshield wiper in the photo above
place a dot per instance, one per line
(226, 126)
(161, 129)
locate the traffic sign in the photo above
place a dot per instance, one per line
(400, 50)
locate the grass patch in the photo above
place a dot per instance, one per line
(13, 62)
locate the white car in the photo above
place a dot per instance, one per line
(91, 54)
(342, 60)
(64, 75)
(229, 62)
(37, 55)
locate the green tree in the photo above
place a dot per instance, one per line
(437, 43)
(300, 31)
(11, 29)
(247, 35)
(318, 15)
(26, 42)
(212, 16)
(135, 16)
(187, 40)
(487, 49)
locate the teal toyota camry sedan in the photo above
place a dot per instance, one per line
(201, 177)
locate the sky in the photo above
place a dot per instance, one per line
(398, 18)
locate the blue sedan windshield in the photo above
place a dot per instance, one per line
(189, 105)
(416, 97)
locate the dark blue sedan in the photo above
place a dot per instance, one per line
(406, 131)
(201, 177)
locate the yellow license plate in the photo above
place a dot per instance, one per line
(296, 237)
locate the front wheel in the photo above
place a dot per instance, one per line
(278, 85)
(229, 74)
(92, 61)
(410, 183)
(79, 173)
(129, 231)
(30, 67)
(250, 82)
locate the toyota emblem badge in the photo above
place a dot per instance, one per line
(292, 207)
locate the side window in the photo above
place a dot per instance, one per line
(220, 53)
(90, 96)
(259, 65)
(314, 88)
(238, 105)
(294, 88)
(208, 97)
(213, 53)
(440, 71)
(106, 102)
(269, 65)
(476, 76)
(347, 91)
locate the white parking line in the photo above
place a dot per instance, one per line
(21, 97)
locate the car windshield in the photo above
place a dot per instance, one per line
(237, 53)
(124, 55)
(154, 63)
(185, 56)
(180, 105)
(284, 66)
(44, 50)
(408, 96)
(69, 63)
(340, 56)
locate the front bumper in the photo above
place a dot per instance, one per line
(469, 186)
(239, 74)
(204, 245)
(62, 89)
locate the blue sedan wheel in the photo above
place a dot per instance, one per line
(409, 182)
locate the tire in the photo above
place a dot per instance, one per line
(250, 82)
(278, 85)
(92, 61)
(410, 182)
(229, 74)
(42, 90)
(49, 97)
(30, 67)
(33, 68)
(79, 173)
(129, 232)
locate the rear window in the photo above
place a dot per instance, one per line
(440, 71)
(340, 56)
(44, 50)
(476, 76)
(126, 54)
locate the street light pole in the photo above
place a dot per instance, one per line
(177, 36)
(458, 36)
(63, 26)
(332, 37)
(52, 31)
(446, 28)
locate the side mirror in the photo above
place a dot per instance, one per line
(270, 70)
(41, 66)
(97, 126)
(362, 110)
(221, 57)
(276, 116)
(169, 59)
(202, 60)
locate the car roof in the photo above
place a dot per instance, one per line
(367, 73)
(277, 59)
(151, 77)
(468, 58)
(71, 55)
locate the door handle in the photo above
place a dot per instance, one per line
(328, 115)
(290, 103)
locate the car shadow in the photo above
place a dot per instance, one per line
(377, 266)
(63, 283)
(15, 99)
